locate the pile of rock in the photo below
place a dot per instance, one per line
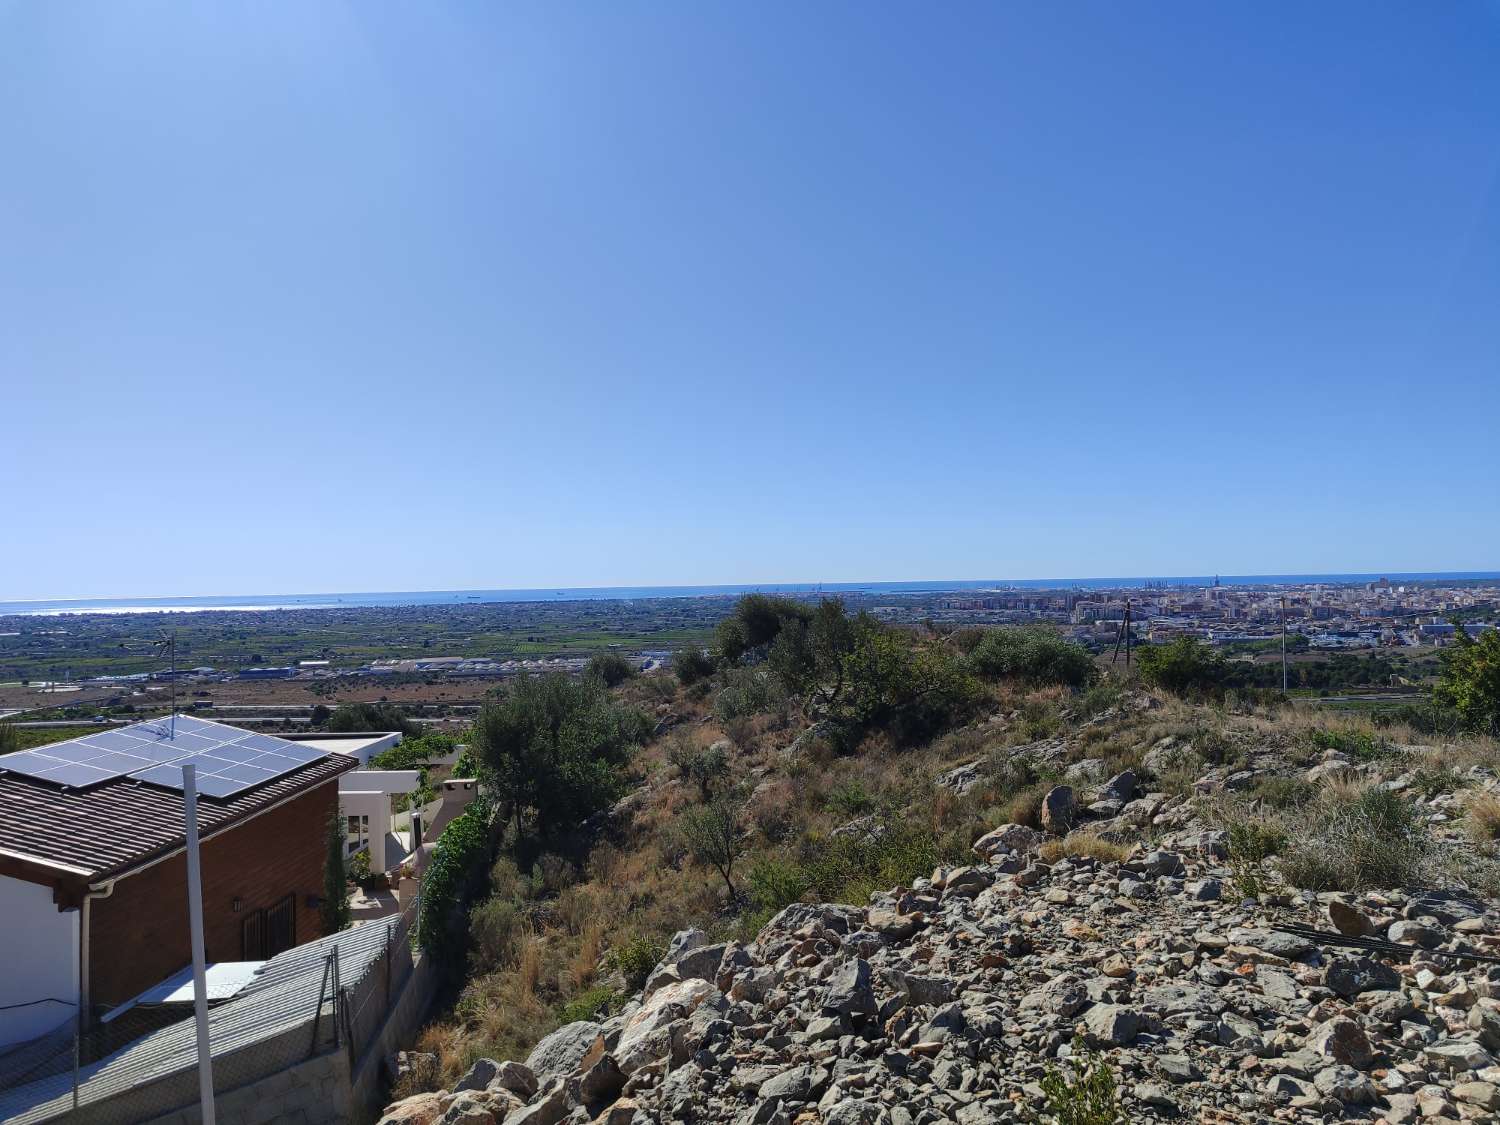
(949, 1000)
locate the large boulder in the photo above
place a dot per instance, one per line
(550, 1106)
(1059, 810)
(478, 1076)
(1351, 976)
(563, 1050)
(1112, 1025)
(1120, 788)
(638, 1043)
(849, 991)
(962, 779)
(419, 1109)
(1008, 839)
(1343, 1041)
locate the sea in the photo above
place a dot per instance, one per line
(263, 602)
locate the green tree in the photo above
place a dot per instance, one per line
(10, 738)
(895, 682)
(372, 717)
(319, 714)
(692, 665)
(552, 748)
(1469, 681)
(809, 654)
(711, 834)
(754, 624)
(334, 909)
(1183, 666)
(610, 668)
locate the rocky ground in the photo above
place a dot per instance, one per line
(952, 999)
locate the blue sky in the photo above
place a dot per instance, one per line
(337, 296)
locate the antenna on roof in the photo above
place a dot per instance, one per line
(169, 642)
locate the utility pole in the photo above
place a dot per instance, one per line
(1127, 634)
(1283, 644)
(195, 927)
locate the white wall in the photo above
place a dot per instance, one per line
(38, 959)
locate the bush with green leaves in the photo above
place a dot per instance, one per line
(497, 928)
(775, 883)
(333, 910)
(454, 868)
(610, 668)
(754, 624)
(372, 717)
(910, 689)
(692, 665)
(705, 767)
(590, 1005)
(1343, 843)
(849, 798)
(746, 692)
(1469, 682)
(552, 748)
(1089, 1097)
(1033, 655)
(1183, 666)
(711, 834)
(1360, 745)
(635, 958)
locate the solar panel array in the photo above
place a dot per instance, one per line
(227, 760)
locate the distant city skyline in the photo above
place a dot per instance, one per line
(365, 297)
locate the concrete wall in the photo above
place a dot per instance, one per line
(139, 935)
(367, 1097)
(38, 960)
(321, 1090)
(314, 1092)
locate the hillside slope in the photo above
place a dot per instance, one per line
(1064, 909)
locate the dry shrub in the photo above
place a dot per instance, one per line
(585, 960)
(497, 929)
(577, 908)
(1025, 805)
(773, 811)
(1083, 845)
(529, 969)
(603, 863)
(1484, 817)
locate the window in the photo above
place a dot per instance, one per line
(265, 933)
(356, 833)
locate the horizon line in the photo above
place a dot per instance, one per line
(1185, 579)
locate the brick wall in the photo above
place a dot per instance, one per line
(140, 933)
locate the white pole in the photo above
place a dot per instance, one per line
(195, 925)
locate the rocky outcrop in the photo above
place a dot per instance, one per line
(949, 1000)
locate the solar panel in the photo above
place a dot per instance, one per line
(227, 760)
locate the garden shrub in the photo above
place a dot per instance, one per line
(460, 852)
(1034, 655)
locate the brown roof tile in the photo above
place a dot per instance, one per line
(109, 829)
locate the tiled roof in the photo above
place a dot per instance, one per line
(111, 828)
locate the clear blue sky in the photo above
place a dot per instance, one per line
(338, 296)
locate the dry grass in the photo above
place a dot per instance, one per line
(1483, 817)
(1084, 845)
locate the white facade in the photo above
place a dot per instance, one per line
(38, 961)
(365, 801)
(363, 747)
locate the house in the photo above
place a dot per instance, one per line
(93, 879)
(362, 745)
(365, 802)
